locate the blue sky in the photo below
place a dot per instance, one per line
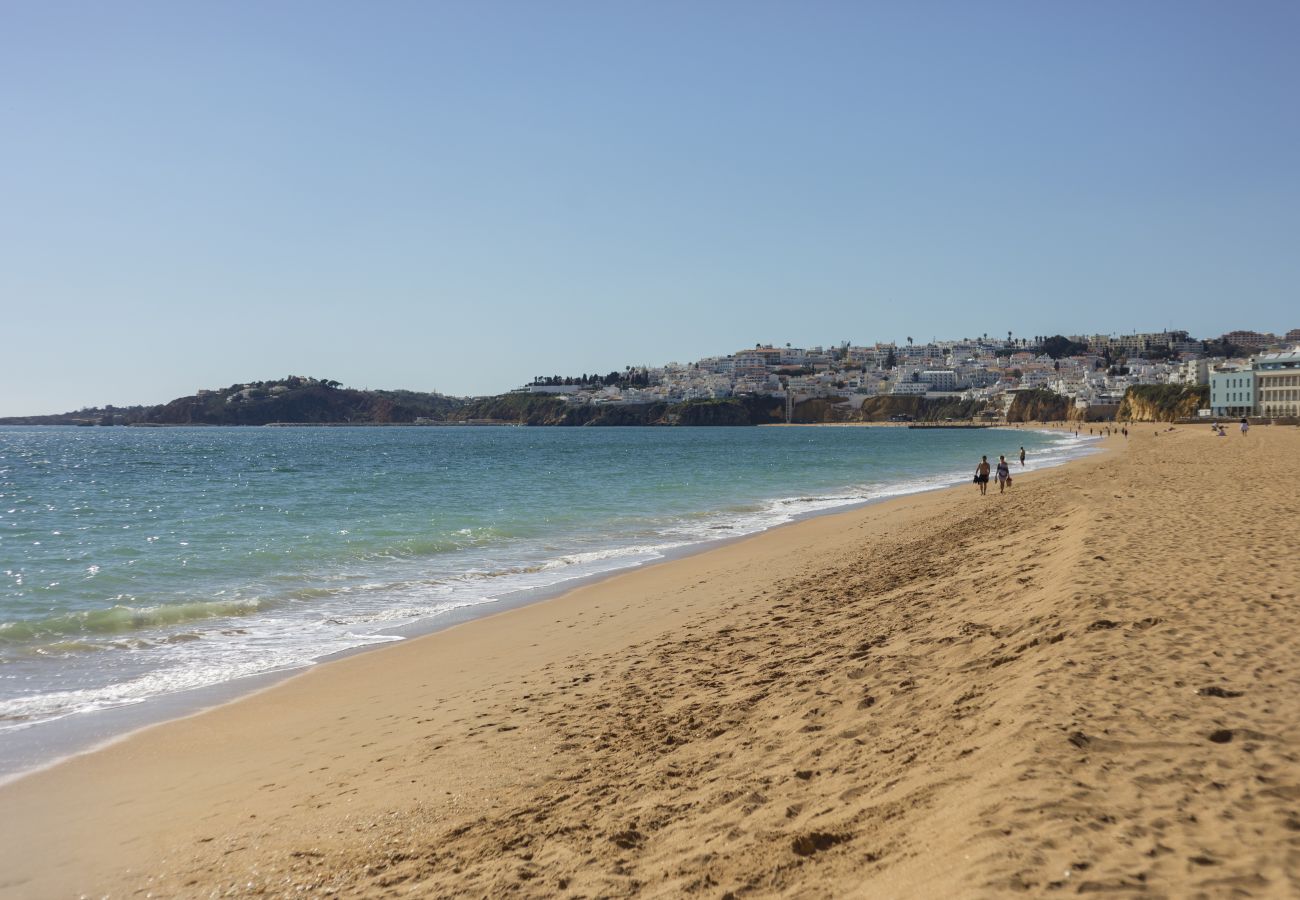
(461, 195)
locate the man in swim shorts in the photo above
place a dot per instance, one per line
(982, 475)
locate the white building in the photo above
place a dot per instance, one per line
(1232, 392)
(940, 379)
(750, 365)
(1193, 371)
(1277, 383)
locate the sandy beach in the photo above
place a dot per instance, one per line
(1089, 684)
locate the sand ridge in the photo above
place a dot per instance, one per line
(1086, 685)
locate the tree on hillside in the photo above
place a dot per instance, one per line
(1220, 347)
(1158, 353)
(1059, 345)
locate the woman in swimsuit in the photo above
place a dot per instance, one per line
(1004, 474)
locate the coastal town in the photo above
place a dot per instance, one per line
(1247, 373)
(1155, 376)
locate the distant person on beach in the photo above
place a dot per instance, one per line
(1004, 474)
(1022, 456)
(982, 475)
(1245, 426)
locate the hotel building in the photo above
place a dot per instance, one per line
(1277, 383)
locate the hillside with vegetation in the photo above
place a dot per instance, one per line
(295, 399)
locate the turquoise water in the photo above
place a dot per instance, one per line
(141, 562)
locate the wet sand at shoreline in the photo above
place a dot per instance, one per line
(1087, 684)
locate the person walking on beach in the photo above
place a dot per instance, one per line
(1004, 474)
(1022, 457)
(982, 475)
(1245, 426)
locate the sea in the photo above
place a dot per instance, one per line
(147, 572)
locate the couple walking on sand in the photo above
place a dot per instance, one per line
(1003, 473)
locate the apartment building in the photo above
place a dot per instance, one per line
(1144, 341)
(751, 364)
(1193, 371)
(1277, 383)
(1232, 391)
(1251, 340)
(940, 379)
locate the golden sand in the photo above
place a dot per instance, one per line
(1091, 683)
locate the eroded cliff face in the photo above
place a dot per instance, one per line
(1039, 406)
(923, 409)
(1162, 402)
(526, 409)
(1095, 413)
(536, 409)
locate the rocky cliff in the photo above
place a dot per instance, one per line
(922, 409)
(1039, 405)
(312, 401)
(541, 409)
(1162, 402)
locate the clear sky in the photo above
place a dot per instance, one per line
(458, 196)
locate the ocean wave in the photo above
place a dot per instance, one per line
(609, 554)
(122, 619)
(421, 547)
(184, 672)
